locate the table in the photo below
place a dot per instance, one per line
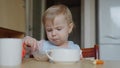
(32, 63)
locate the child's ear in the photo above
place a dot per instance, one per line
(70, 27)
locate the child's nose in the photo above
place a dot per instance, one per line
(53, 33)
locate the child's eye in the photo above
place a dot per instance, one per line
(59, 29)
(49, 30)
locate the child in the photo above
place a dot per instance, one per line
(58, 24)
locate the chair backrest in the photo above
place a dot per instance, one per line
(91, 52)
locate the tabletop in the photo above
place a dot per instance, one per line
(32, 63)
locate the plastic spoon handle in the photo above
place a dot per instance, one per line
(47, 53)
(23, 50)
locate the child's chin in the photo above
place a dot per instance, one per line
(57, 43)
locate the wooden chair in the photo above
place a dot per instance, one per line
(91, 52)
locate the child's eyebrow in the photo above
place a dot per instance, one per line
(58, 26)
(48, 27)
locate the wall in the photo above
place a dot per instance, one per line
(12, 15)
(109, 29)
(89, 23)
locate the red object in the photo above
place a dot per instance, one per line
(23, 50)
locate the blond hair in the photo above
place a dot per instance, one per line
(56, 10)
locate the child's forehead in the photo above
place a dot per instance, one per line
(55, 23)
(59, 19)
(53, 17)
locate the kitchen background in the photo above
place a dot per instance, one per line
(108, 29)
(96, 22)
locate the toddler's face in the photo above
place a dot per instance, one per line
(58, 30)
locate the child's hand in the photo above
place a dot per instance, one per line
(29, 41)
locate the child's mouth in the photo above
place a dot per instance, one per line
(55, 40)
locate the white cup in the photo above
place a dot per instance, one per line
(64, 55)
(10, 51)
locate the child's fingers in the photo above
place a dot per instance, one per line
(34, 45)
(29, 41)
